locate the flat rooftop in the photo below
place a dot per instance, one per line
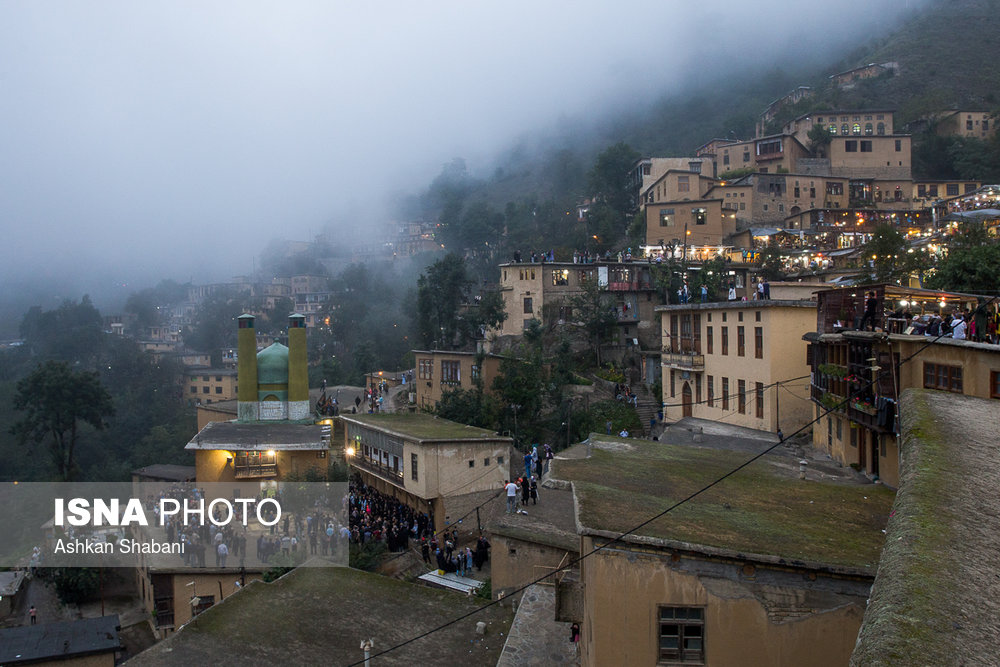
(764, 511)
(319, 616)
(423, 427)
(252, 436)
(936, 598)
(59, 640)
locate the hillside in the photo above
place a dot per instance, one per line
(944, 53)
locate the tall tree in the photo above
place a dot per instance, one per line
(55, 400)
(972, 265)
(593, 311)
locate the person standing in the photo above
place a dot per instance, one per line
(533, 491)
(511, 489)
(33, 613)
(704, 293)
(527, 464)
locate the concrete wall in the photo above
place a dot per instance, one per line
(752, 616)
(517, 562)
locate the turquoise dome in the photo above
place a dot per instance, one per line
(272, 365)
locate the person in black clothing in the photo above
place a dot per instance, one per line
(871, 308)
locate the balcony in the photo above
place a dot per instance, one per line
(261, 470)
(383, 471)
(684, 362)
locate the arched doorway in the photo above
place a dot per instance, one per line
(686, 400)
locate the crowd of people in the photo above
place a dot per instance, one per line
(378, 517)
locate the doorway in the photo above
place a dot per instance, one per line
(686, 399)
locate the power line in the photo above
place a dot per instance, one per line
(842, 403)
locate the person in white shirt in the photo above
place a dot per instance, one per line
(511, 488)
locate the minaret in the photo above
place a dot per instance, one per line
(298, 369)
(246, 349)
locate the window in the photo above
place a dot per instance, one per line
(204, 602)
(759, 387)
(425, 369)
(700, 216)
(880, 129)
(486, 461)
(682, 634)
(758, 342)
(994, 384)
(968, 124)
(413, 467)
(709, 339)
(560, 277)
(205, 378)
(476, 372)
(951, 189)
(851, 146)
(932, 191)
(725, 393)
(845, 129)
(204, 390)
(866, 146)
(856, 128)
(945, 378)
(666, 217)
(868, 129)
(741, 399)
(741, 342)
(218, 390)
(528, 308)
(725, 340)
(218, 378)
(899, 145)
(835, 188)
(711, 391)
(697, 388)
(472, 463)
(499, 460)
(673, 391)
(756, 316)
(725, 159)
(683, 184)
(921, 191)
(451, 372)
(194, 389)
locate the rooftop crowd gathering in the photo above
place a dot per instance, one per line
(376, 517)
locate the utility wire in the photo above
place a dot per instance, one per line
(842, 403)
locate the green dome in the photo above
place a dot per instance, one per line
(272, 365)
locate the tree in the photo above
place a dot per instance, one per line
(888, 252)
(72, 332)
(608, 178)
(819, 140)
(593, 310)
(771, 266)
(54, 400)
(441, 290)
(972, 265)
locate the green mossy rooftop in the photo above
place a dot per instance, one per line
(764, 509)
(422, 426)
(319, 616)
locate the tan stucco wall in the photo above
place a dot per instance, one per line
(620, 627)
(784, 358)
(515, 563)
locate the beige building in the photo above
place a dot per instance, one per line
(430, 464)
(740, 362)
(754, 572)
(702, 222)
(860, 374)
(209, 385)
(544, 291)
(441, 371)
(858, 123)
(172, 597)
(968, 124)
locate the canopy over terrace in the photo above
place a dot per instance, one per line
(842, 308)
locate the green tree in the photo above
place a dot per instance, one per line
(771, 266)
(593, 311)
(887, 250)
(608, 178)
(972, 265)
(819, 140)
(55, 400)
(72, 332)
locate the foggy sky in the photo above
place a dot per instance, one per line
(148, 140)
